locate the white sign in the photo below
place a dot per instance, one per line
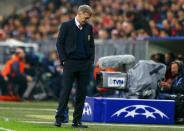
(87, 109)
(116, 81)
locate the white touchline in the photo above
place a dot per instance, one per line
(31, 109)
(27, 109)
(106, 124)
(5, 129)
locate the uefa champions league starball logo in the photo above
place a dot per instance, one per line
(140, 110)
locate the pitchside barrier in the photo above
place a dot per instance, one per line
(120, 110)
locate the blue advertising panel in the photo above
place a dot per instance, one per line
(139, 111)
(119, 110)
(93, 108)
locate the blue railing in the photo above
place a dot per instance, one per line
(165, 38)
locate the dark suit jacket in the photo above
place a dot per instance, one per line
(66, 42)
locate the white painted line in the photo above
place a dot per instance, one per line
(30, 109)
(5, 129)
(38, 122)
(26, 109)
(115, 125)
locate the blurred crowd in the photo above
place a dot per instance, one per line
(27, 75)
(132, 19)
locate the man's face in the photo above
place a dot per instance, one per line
(83, 17)
(174, 69)
(21, 54)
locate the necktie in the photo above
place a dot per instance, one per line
(80, 27)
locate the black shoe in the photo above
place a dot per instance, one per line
(79, 125)
(180, 121)
(57, 123)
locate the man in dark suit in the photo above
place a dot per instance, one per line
(75, 46)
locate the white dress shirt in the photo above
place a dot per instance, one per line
(78, 24)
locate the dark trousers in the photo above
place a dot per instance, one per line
(21, 82)
(3, 86)
(78, 70)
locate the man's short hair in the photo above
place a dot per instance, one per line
(85, 9)
(19, 50)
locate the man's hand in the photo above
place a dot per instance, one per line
(29, 78)
(6, 78)
(166, 85)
